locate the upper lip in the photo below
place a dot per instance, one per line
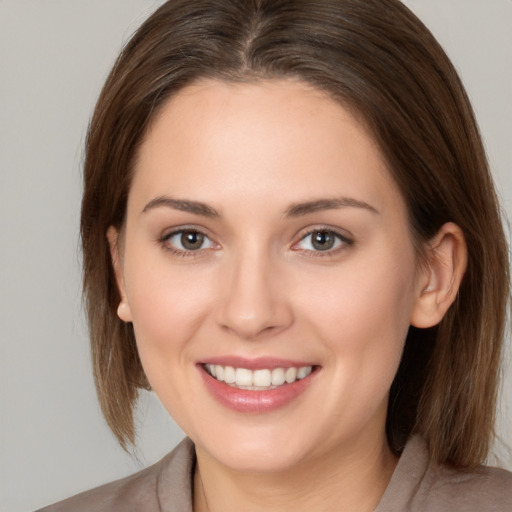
(258, 363)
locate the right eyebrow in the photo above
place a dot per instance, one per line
(183, 205)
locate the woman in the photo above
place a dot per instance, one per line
(291, 235)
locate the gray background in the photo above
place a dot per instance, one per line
(54, 56)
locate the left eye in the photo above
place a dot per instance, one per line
(321, 240)
(189, 240)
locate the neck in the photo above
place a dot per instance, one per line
(344, 479)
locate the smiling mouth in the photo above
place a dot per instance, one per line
(257, 380)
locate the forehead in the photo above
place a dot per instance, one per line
(246, 138)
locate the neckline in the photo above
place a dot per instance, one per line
(410, 470)
(175, 483)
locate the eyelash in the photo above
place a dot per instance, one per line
(164, 241)
(341, 240)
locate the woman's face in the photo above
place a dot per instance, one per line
(266, 241)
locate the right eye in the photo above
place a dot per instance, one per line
(187, 240)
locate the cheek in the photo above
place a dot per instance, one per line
(168, 308)
(362, 313)
(168, 305)
(363, 298)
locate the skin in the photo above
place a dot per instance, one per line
(258, 287)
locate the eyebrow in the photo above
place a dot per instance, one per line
(294, 210)
(183, 205)
(304, 208)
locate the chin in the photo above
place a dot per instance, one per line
(254, 460)
(257, 452)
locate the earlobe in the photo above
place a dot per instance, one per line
(123, 310)
(446, 261)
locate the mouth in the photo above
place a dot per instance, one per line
(262, 379)
(257, 385)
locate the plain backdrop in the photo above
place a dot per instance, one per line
(54, 56)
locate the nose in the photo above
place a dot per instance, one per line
(255, 302)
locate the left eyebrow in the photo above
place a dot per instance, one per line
(304, 208)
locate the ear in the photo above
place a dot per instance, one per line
(123, 310)
(440, 277)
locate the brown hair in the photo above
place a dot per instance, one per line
(377, 58)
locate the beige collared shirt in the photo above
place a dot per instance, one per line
(416, 486)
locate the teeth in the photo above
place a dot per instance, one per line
(219, 372)
(291, 375)
(304, 371)
(229, 375)
(243, 377)
(262, 378)
(257, 379)
(278, 376)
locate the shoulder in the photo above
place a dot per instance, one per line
(421, 485)
(485, 488)
(141, 491)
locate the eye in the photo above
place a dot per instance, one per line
(322, 240)
(187, 240)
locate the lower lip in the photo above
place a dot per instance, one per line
(252, 401)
